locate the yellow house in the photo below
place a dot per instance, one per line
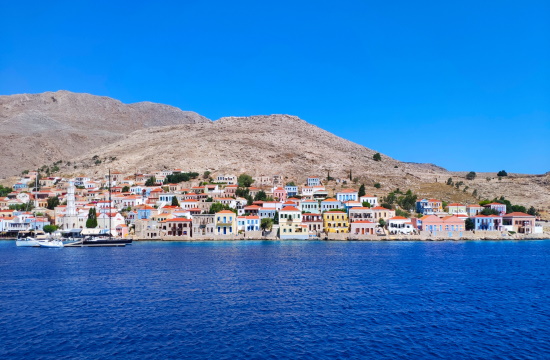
(335, 222)
(226, 223)
(290, 224)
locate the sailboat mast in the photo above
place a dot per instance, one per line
(110, 233)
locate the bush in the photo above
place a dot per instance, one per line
(377, 157)
(377, 185)
(471, 175)
(502, 173)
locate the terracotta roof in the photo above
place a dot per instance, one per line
(226, 212)
(363, 222)
(348, 191)
(379, 208)
(455, 204)
(518, 214)
(398, 218)
(177, 220)
(289, 208)
(335, 211)
(330, 199)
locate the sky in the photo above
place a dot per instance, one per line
(464, 85)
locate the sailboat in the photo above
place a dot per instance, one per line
(107, 240)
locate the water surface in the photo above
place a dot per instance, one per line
(277, 300)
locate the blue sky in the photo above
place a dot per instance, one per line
(464, 85)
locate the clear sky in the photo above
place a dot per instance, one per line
(464, 85)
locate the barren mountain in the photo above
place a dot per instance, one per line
(38, 129)
(95, 133)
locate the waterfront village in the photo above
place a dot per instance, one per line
(175, 205)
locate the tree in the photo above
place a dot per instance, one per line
(382, 222)
(489, 211)
(266, 224)
(350, 177)
(361, 190)
(260, 196)
(175, 201)
(399, 212)
(126, 189)
(276, 218)
(502, 173)
(532, 211)
(91, 222)
(217, 207)
(49, 228)
(366, 204)
(377, 157)
(450, 181)
(474, 193)
(245, 180)
(291, 183)
(52, 202)
(151, 181)
(206, 174)
(471, 175)
(469, 224)
(377, 185)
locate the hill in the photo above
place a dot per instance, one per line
(38, 129)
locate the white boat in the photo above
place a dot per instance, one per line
(27, 242)
(50, 243)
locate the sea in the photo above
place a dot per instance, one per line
(277, 300)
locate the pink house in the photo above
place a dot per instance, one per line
(280, 194)
(433, 223)
(501, 208)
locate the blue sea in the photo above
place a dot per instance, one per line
(277, 300)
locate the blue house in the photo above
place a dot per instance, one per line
(291, 190)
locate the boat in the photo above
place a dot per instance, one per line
(27, 241)
(50, 243)
(106, 239)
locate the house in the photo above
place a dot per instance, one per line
(248, 223)
(319, 192)
(400, 225)
(434, 223)
(291, 190)
(335, 221)
(226, 179)
(351, 204)
(487, 222)
(226, 223)
(290, 224)
(279, 194)
(501, 208)
(363, 227)
(380, 212)
(360, 213)
(330, 204)
(121, 230)
(313, 181)
(177, 227)
(372, 200)
(519, 222)
(203, 224)
(347, 195)
(266, 213)
(429, 206)
(313, 222)
(473, 210)
(456, 209)
(310, 206)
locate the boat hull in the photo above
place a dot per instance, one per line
(27, 243)
(51, 244)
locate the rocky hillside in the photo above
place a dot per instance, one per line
(38, 129)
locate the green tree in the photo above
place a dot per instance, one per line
(450, 181)
(291, 183)
(245, 180)
(469, 224)
(474, 193)
(532, 211)
(4, 191)
(502, 173)
(361, 190)
(377, 157)
(399, 212)
(489, 211)
(49, 228)
(366, 204)
(206, 174)
(52, 202)
(217, 207)
(151, 181)
(382, 222)
(266, 224)
(260, 196)
(377, 185)
(471, 175)
(276, 218)
(175, 201)
(91, 222)
(126, 189)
